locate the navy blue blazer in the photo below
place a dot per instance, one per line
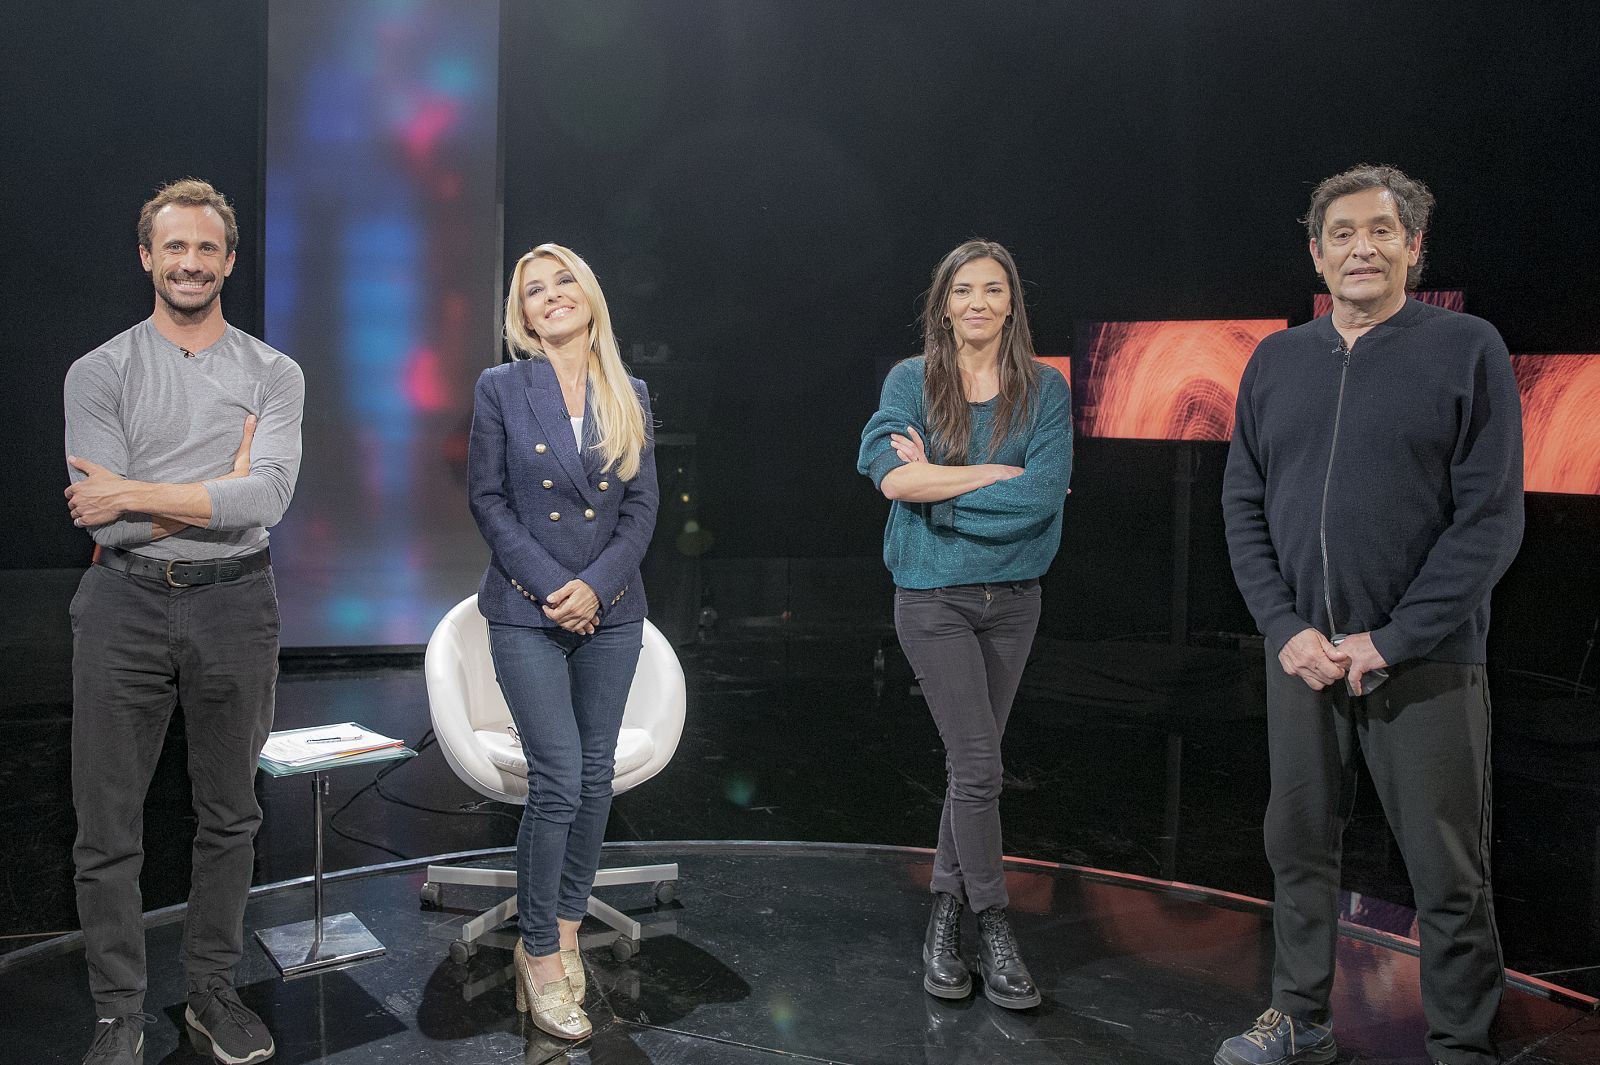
(550, 514)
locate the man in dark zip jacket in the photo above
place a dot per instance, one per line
(1373, 497)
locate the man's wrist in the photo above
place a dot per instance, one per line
(129, 498)
(149, 497)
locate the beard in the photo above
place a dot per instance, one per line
(184, 305)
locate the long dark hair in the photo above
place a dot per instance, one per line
(949, 419)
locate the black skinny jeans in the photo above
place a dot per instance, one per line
(968, 645)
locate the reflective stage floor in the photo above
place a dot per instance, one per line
(813, 732)
(773, 952)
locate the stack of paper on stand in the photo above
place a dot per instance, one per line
(303, 748)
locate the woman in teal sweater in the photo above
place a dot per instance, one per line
(972, 445)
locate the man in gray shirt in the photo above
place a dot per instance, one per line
(183, 445)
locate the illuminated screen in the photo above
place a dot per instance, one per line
(1560, 422)
(1451, 299)
(1060, 362)
(1163, 380)
(382, 252)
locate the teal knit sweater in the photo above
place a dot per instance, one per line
(1008, 531)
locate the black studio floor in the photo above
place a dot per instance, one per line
(784, 952)
(795, 736)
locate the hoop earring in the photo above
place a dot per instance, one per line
(944, 323)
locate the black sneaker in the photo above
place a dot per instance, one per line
(227, 1029)
(1279, 1039)
(119, 1041)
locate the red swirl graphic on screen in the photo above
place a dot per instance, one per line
(1060, 362)
(1560, 427)
(1451, 299)
(1167, 380)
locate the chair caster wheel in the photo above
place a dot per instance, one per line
(432, 896)
(666, 891)
(623, 948)
(461, 951)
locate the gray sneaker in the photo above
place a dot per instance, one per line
(1279, 1039)
(227, 1029)
(119, 1041)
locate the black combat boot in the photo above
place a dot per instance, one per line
(944, 974)
(1005, 979)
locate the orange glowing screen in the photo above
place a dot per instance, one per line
(1164, 380)
(1560, 422)
(1060, 362)
(1451, 299)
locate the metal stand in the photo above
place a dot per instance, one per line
(1182, 505)
(322, 942)
(1178, 633)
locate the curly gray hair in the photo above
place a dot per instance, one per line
(1411, 198)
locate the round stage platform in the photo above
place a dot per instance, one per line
(774, 952)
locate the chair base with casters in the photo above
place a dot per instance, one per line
(663, 878)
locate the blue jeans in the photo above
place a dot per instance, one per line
(567, 694)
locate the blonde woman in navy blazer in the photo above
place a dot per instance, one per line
(567, 525)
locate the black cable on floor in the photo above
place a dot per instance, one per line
(333, 821)
(464, 810)
(376, 785)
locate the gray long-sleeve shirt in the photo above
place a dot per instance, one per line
(142, 408)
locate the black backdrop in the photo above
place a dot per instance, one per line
(103, 103)
(764, 185)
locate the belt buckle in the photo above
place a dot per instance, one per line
(168, 574)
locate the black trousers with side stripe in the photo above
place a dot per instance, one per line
(1425, 737)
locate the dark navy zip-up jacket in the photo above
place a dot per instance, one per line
(1423, 482)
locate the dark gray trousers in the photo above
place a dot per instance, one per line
(1425, 737)
(139, 649)
(968, 645)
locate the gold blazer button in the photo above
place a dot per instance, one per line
(604, 485)
(589, 515)
(549, 484)
(540, 449)
(555, 515)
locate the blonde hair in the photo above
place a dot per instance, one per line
(618, 416)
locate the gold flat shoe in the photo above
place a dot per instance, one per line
(572, 963)
(551, 1006)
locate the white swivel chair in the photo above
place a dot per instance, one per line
(471, 723)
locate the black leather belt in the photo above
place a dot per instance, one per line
(180, 573)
